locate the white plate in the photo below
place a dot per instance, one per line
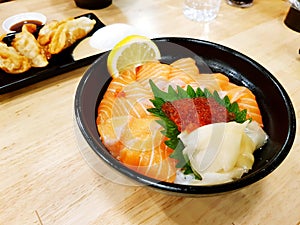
(107, 37)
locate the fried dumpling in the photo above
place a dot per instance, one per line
(58, 36)
(26, 44)
(47, 32)
(11, 61)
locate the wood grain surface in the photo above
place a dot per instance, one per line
(44, 175)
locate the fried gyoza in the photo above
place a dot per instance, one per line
(11, 61)
(28, 46)
(57, 36)
(27, 51)
(47, 32)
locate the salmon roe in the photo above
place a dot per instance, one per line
(191, 113)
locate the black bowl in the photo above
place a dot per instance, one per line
(276, 108)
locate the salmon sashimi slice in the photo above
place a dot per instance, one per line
(131, 133)
(221, 79)
(133, 100)
(179, 78)
(139, 144)
(128, 130)
(246, 100)
(185, 72)
(155, 163)
(212, 82)
(186, 65)
(151, 70)
(115, 89)
(110, 131)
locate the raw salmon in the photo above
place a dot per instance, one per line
(246, 100)
(132, 134)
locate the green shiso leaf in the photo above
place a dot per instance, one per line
(191, 92)
(199, 93)
(182, 93)
(170, 128)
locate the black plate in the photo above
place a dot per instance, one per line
(58, 64)
(276, 108)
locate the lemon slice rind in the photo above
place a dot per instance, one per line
(131, 52)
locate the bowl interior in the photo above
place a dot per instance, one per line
(276, 108)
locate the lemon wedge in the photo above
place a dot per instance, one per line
(131, 52)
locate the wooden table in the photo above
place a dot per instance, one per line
(44, 178)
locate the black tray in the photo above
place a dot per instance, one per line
(58, 64)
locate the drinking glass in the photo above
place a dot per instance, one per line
(201, 10)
